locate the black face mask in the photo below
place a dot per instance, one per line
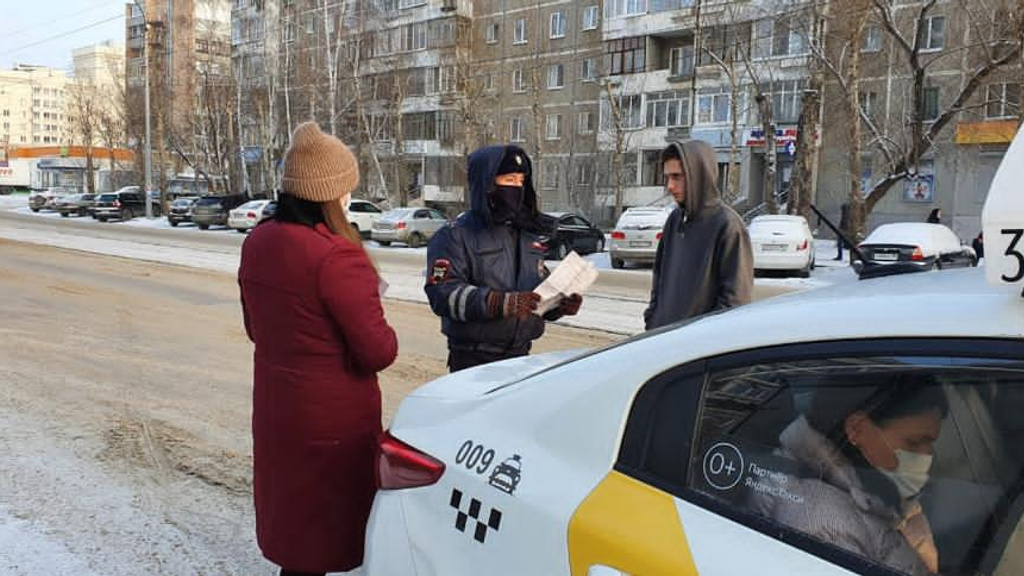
(506, 203)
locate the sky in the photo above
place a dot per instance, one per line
(46, 32)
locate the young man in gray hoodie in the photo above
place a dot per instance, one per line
(704, 261)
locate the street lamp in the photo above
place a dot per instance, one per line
(149, 144)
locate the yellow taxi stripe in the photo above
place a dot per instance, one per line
(630, 526)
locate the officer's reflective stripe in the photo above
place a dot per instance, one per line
(453, 298)
(464, 300)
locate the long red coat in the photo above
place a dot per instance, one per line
(311, 305)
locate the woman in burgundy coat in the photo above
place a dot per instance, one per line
(311, 304)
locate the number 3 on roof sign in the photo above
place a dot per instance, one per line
(1002, 220)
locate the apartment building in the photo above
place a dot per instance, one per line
(679, 69)
(33, 106)
(956, 171)
(540, 65)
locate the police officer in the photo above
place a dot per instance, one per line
(482, 269)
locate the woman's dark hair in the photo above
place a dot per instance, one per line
(295, 210)
(905, 394)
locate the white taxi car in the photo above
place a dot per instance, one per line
(248, 215)
(782, 242)
(839, 431)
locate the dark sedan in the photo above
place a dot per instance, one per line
(573, 232)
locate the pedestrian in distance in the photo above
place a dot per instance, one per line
(311, 304)
(935, 216)
(483, 268)
(979, 245)
(704, 261)
(844, 227)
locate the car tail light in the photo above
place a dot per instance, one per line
(616, 235)
(401, 225)
(918, 254)
(251, 215)
(804, 246)
(401, 466)
(657, 236)
(117, 203)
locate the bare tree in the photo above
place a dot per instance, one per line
(84, 108)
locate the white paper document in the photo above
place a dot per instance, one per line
(573, 276)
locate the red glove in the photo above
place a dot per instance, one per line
(570, 306)
(512, 304)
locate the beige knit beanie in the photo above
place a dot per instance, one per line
(318, 167)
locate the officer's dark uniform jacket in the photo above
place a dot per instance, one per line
(473, 256)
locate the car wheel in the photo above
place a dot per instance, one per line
(83, 212)
(102, 218)
(415, 240)
(64, 214)
(618, 263)
(561, 251)
(805, 273)
(384, 243)
(240, 230)
(203, 226)
(127, 214)
(35, 209)
(174, 223)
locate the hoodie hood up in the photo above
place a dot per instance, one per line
(483, 168)
(700, 167)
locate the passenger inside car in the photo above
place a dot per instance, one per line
(865, 456)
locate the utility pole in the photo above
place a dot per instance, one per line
(149, 143)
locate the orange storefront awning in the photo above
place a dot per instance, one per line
(27, 152)
(1001, 132)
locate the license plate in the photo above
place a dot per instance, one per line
(773, 248)
(886, 257)
(640, 244)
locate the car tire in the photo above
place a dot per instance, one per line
(102, 218)
(805, 273)
(83, 212)
(618, 263)
(64, 214)
(35, 209)
(384, 243)
(174, 223)
(561, 251)
(240, 230)
(127, 214)
(203, 226)
(415, 240)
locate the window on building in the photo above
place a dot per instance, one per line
(779, 37)
(492, 33)
(420, 126)
(722, 42)
(619, 8)
(934, 33)
(869, 103)
(652, 171)
(1002, 100)
(787, 99)
(931, 104)
(587, 123)
(626, 113)
(558, 25)
(414, 37)
(519, 32)
(872, 40)
(553, 125)
(411, 3)
(489, 82)
(588, 70)
(556, 76)
(714, 108)
(552, 174)
(516, 132)
(626, 56)
(590, 18)
(584, 172)
(680, 61)
(518, 81)
(668, 109)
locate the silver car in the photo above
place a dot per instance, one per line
(412, 226)
(637, 234)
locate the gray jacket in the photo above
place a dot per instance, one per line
(704, 261)
(833, 505)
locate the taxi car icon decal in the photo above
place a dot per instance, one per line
(505, 476)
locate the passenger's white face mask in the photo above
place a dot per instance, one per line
(911, 473)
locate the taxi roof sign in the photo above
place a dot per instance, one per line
(1002, 220)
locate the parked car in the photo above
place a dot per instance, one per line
(927, 246)
(180, 210)
(362, 214)
(248, 215)
(636, 235)
(213, 210)
(782, 242)
(43, 199)
(125, 204)
(78, 204)
(413, 226)
(573, 232)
